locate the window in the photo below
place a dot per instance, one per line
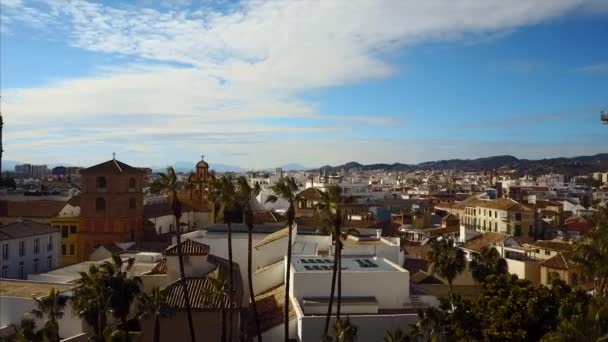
(518, 217)
(5, 251)
(49, 246)
(132, 183)
(517, 230)
(496, 214)
(64, 232)
(21, 248)
(73, 229)
(36, 265)
(49, 262)
(547, 252)
(5, 271)
(132, 203)
(101, 182)
(36, 245)
(574, 279)
(63, 249)
(21, 271)
(72, 249)
(495, 226)
(100, 204)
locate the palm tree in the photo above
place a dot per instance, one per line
(26, 331)
(154, 305)
(225, 193)
(396, 335)
(591, 255)
(50, 307)
(287, 189)
(216, 293)
(245, 194)
(430, 326)
(91, 299)
(488, 263)
(447, 260)
(344, 330)
(330, 200)
(168, 182)
(124, 287)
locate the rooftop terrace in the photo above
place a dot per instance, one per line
(349, 264)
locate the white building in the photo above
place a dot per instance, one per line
(160, 214)
(28, 247)
(375, 296)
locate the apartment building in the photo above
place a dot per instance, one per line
(28, 247)
(501, 215)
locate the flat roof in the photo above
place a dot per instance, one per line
(72, 272)
(365, 241)
(27, 289)
(316, 263)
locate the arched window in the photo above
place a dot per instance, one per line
(132, 183)
(132, 203)
(100, 204)
(101, 182)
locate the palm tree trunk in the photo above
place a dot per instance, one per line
(288, 276)
(157, 328)
(250, 280)
(223, 324)
(182, 272)
(332, 293)
(339, 273)
(101, 323)
(230, 277)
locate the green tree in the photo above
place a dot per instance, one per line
(225, 193)
(447, 260)
(123, 286)
(396, 335)
(154, 306)
(586, 323)
(487, 263)
(509, 308)
(216, 293)
(168, 184)
(591, 255)
(287, 189)
(24, 332)
(245, 195)
(51, 308)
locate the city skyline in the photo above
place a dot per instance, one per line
(262, 84)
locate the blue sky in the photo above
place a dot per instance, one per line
(260, 84)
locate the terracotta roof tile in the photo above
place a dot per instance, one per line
(201, 297)
(160, 268)
(560, 261)
(189, 247)
(560, 246)
(25, 228)
(485, 240)
(279, 234)
(113, 166)
(33, 208)
(271, 306)
(313, 194)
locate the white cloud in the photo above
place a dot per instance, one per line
(597, 69)
(246, 63)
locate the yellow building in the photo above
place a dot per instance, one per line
(67, 221)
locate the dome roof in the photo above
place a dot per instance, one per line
(202, 164)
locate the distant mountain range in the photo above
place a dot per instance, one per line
(568, 166)
(189, 166)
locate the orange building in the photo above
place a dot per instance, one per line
(112, 206)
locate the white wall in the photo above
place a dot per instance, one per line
(268, 277)
(191, 218)
(13, 309)
(28, 259)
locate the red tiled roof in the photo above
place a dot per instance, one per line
(560, 246)
(485, 240)
(189, 247)
(579, 224)
(560, 261)
(201, 296)
(160, 268)
(113, 166)
(271, 307)
(25, 228)
(310, 194)
(31, 209)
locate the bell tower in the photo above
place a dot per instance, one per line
(200, 181)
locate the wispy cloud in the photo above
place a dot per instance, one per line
(595, 69)
(251, 62)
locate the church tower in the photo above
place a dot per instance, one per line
(200, 181)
